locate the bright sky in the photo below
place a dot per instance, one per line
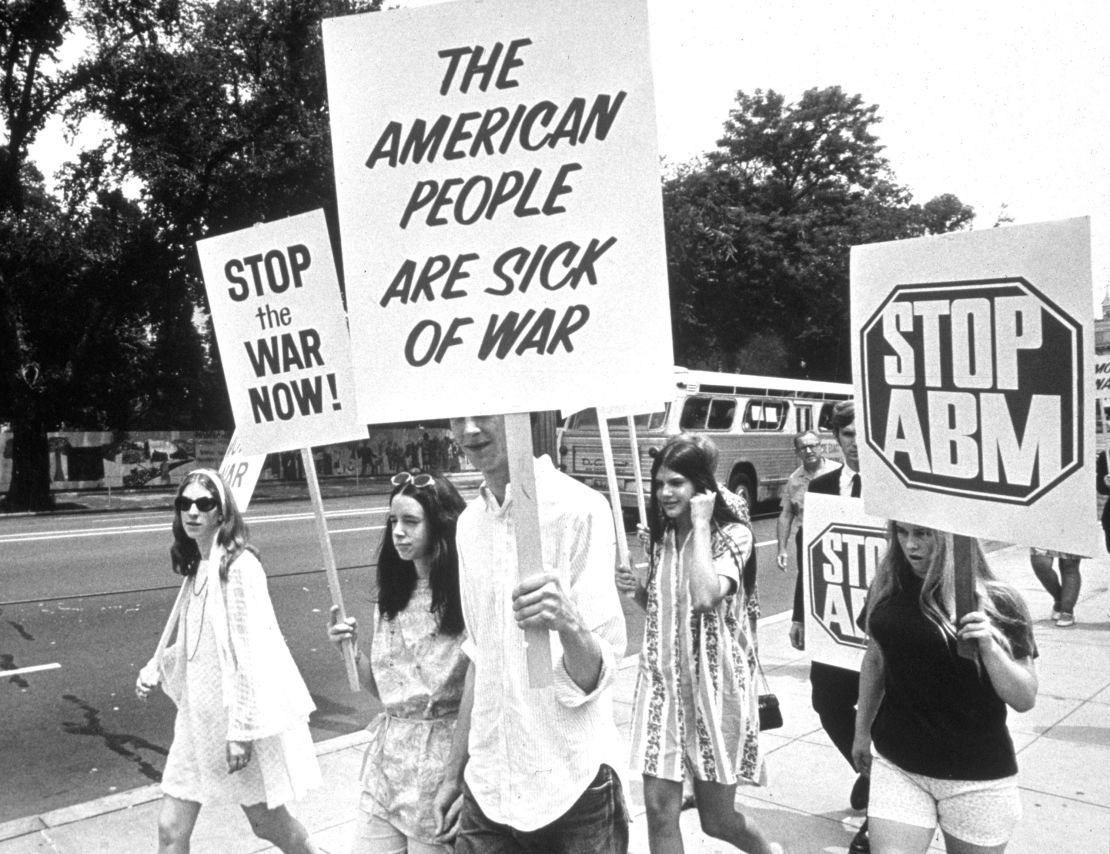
(997, 102)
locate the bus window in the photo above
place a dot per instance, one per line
(825, 421)
(765, 415)
(694, 413)
(721, 412)
(803, 419)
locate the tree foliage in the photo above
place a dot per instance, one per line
(759, 232)
(219, 112)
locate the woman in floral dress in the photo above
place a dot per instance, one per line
(416, 667)
(695, 710)
(241, 733)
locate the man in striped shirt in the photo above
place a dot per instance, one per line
(536, 766)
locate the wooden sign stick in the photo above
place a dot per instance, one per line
(329, 561)
(637, 471)
(614, 493)
(964, 557)
(526, 524)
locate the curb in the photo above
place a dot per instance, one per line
(136, 797)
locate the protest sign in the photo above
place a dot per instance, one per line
(973, 369)
(499, 205)
(240, 472)
(1102, 377)
(279, 321)
(841, 550)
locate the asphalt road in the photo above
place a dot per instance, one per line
(84, 597)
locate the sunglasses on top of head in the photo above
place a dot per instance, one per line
(205, 504)
(420, 480)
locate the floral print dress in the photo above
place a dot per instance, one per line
(696, 709)
(419, 673)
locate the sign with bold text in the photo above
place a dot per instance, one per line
(973, 370)
(279, 321)
(499, 206)
(841, 550)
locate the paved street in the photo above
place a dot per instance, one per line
(86, 595)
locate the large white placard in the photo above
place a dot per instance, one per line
(972, 361)
(499, 204)
(279, 321)
(841, 550)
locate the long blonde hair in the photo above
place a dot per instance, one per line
(1000, 601)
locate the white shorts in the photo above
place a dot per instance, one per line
(979, 812)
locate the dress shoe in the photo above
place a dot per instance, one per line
(861, 842)
(861, 791)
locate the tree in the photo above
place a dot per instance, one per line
(220, 111)
(759, 232)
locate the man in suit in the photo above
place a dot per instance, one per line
(836, 689)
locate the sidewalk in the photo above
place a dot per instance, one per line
(1063, 752)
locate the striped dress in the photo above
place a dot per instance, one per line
(696, 704)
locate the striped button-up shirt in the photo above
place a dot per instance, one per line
(532, 751)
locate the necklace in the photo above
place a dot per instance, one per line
(203, 565)
(199, 622)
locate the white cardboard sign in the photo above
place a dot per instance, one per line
(499, 205)
(971, 353)
(841, 550)
(240, 471)
(282, 333)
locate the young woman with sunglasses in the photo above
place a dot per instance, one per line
(241, 733)
(931, 729)
(695, 711)
(416, 668)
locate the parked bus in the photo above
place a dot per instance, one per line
(752, 420)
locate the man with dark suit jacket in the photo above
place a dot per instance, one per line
(836, 689)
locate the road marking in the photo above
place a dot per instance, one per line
(79, 533)
(6, 674)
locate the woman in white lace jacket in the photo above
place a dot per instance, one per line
(241, 733)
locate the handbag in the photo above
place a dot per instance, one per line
(770, 715)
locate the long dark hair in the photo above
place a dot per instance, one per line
(442, 505)
(232, 534)
(693, 457)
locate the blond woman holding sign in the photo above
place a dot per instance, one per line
(931, 729)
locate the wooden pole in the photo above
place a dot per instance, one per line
(526, 524)
(614, 493)
(329, 561)
(637, 471)
(964, 557)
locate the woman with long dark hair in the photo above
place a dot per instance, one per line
(931, 727)
(241, 733)
(416, 667)
(696, 704)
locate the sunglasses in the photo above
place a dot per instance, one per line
(418, 480)
(205, 504)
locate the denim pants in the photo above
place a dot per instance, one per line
(596, 824)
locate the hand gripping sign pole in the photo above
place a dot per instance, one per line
(329, 561)
(526, 529)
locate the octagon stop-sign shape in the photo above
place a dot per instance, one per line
(842, 561)
(974, 388)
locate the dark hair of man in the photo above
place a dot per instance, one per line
(442, 505)
(232, 533)
(693, 458)
(843, 414)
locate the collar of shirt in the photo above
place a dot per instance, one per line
(846, 481)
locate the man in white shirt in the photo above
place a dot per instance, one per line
(535, 766)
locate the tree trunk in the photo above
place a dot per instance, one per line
(30, 486)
